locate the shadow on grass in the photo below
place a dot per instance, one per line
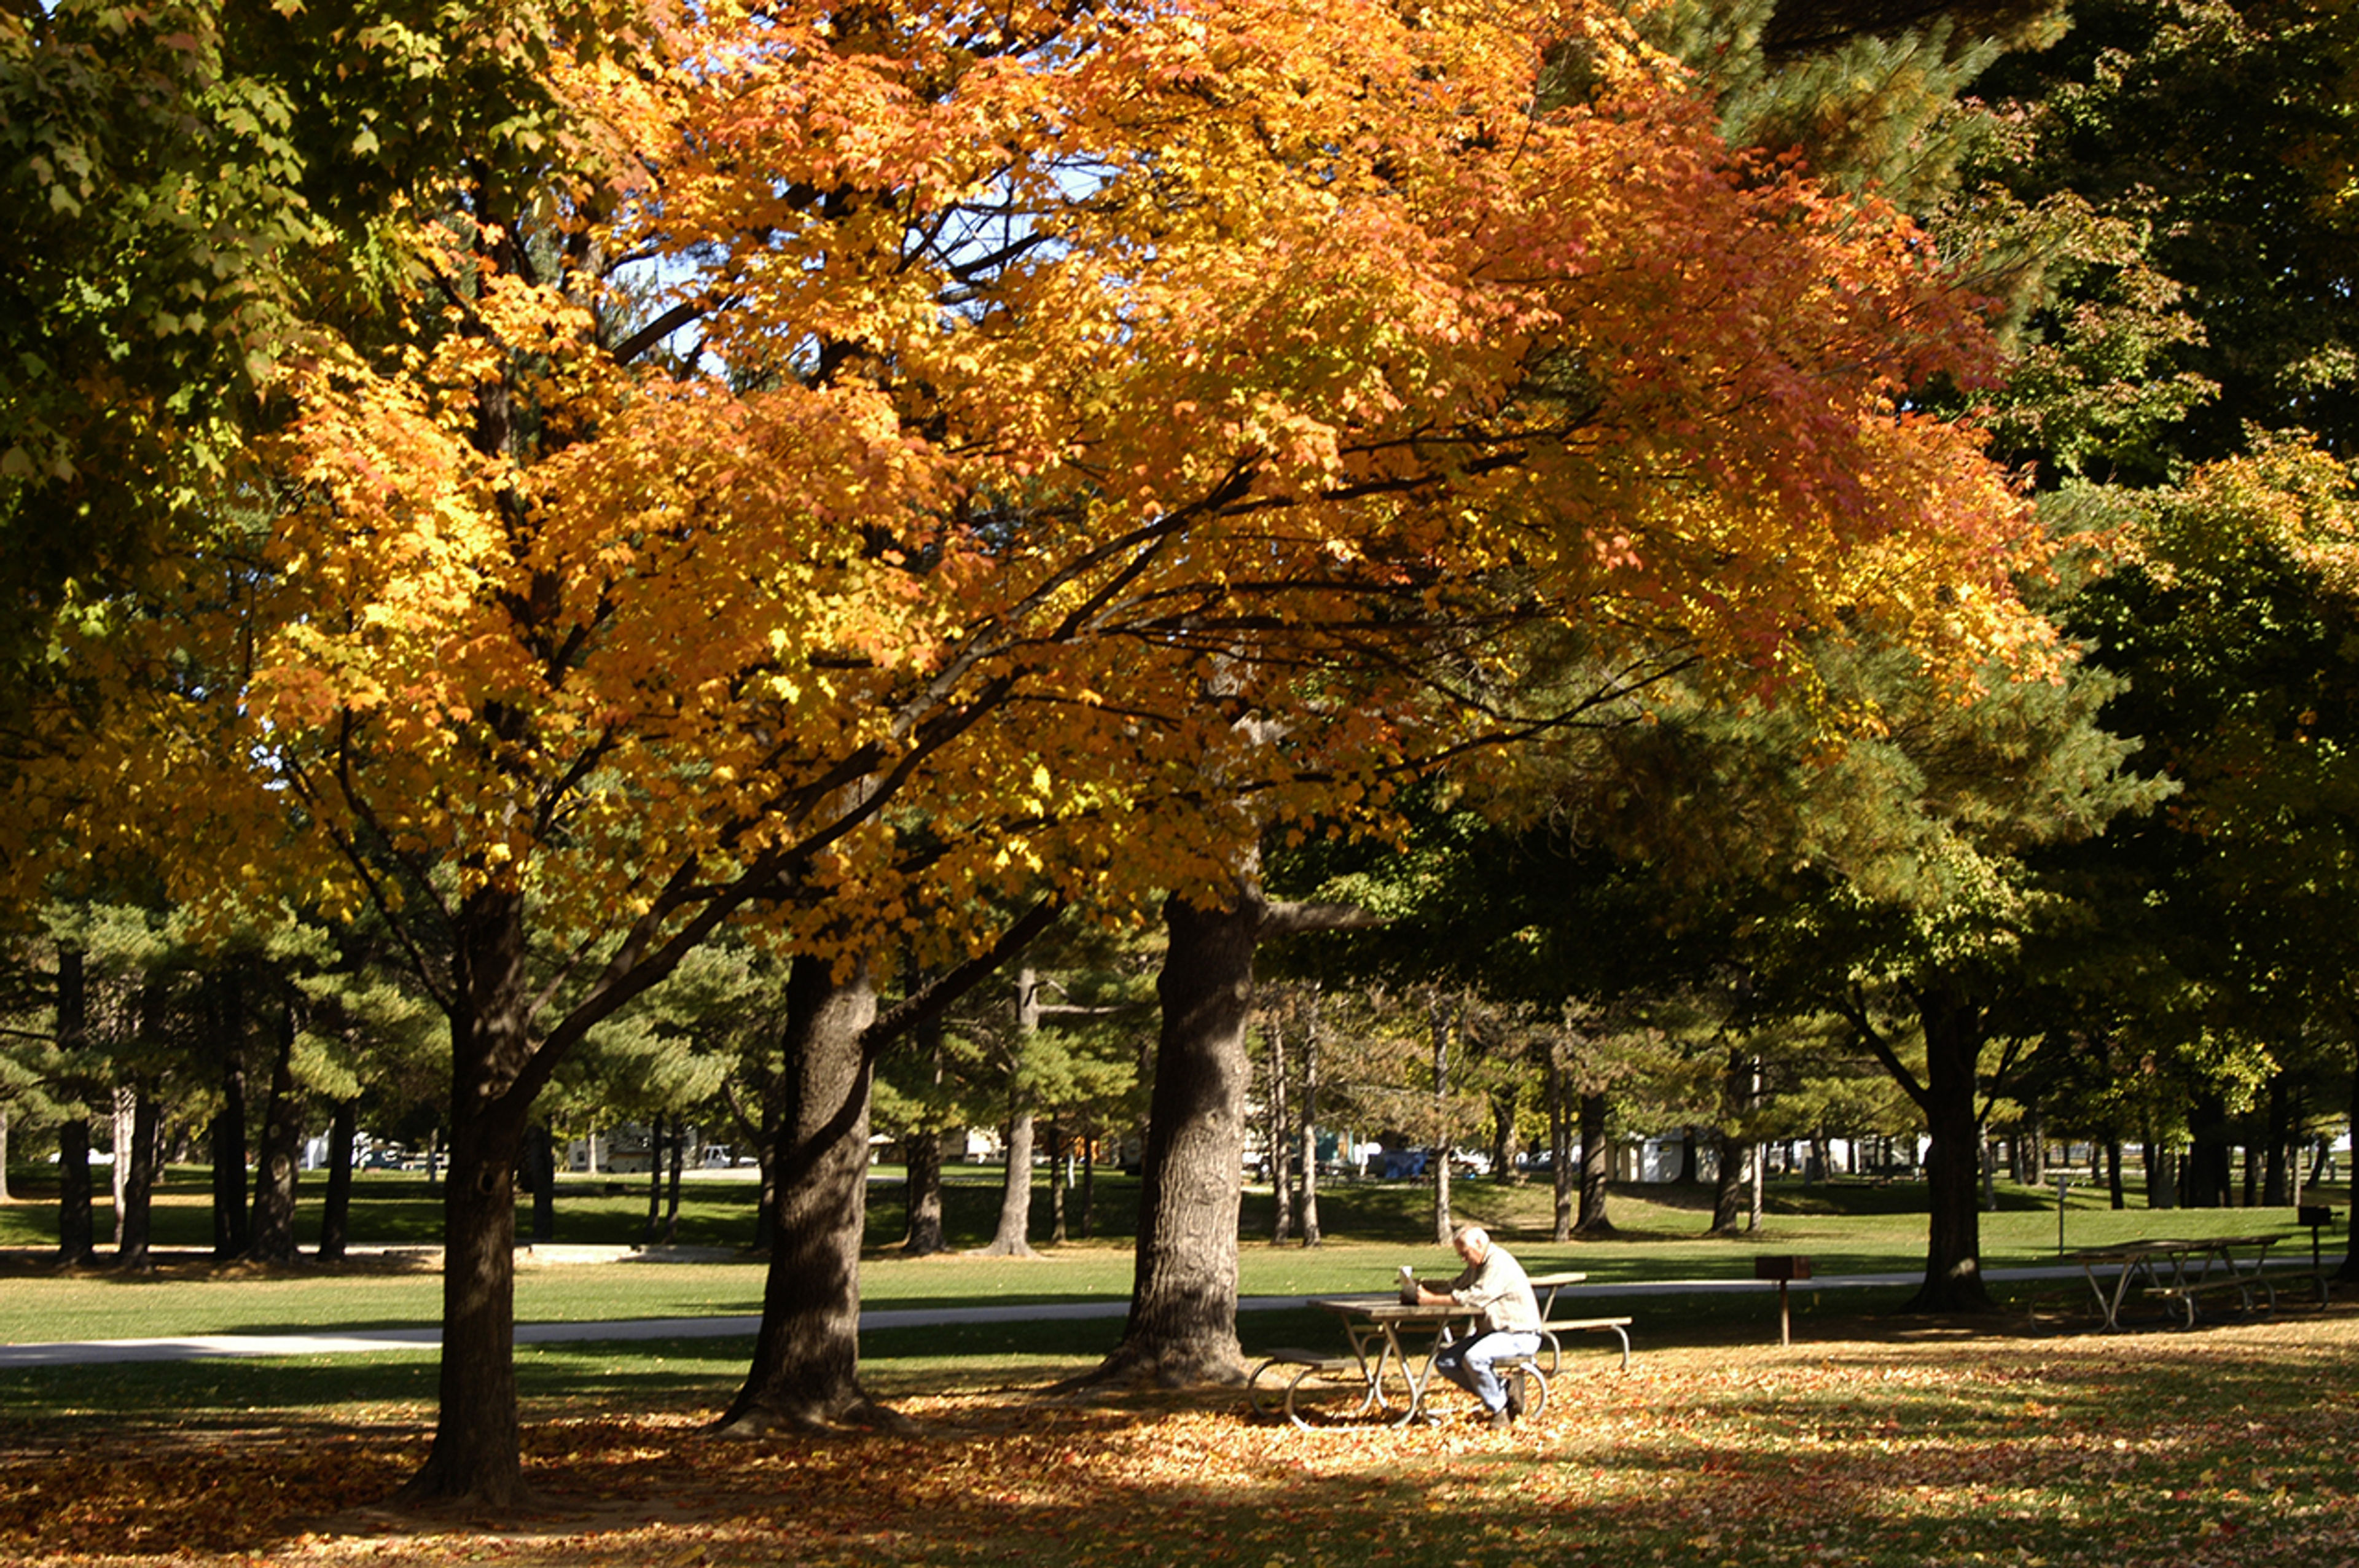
(2211, 1447)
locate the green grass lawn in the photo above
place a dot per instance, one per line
(1875, 1439)
(1369, 1229)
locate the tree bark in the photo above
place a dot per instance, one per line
(1276, 1139)
(923, 1151)
(1953, 1043)
(2279, 1175)
(922, 1157)
(336, 1206)
(272, 1239)
(76, 1231)
(1690, 1158)
(671, 1197)
(232, 1233)
(134, 1157)
(2207, 1171)
(540, 1165)
(1182, 1327)
(1597, 1169)
(1441, 1024)
(653, 1225)
(121, 1132)
(1011, 1238)
(1734, 1145)
(1505, 1146)
(805, 1373)
(2349, 1272)
(1561, 1171)
(1309, 1226)
(1057, 1184)
(476, 1456)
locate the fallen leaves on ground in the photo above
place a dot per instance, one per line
(2236, 1444)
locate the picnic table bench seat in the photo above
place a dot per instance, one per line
(1618, 1327)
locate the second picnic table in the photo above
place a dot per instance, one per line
(2179, 1270)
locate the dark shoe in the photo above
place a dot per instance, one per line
(1501, 1421)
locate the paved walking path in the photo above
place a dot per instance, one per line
(68, 1352)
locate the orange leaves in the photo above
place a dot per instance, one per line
(1126, 398)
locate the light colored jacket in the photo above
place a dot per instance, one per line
(1499, 1293)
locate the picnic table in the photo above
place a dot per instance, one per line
(1389, 1366)
(1384, 1374)
(2178, 1272)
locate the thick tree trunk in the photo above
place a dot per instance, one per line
(476, 1457)
(806, 1369)
(1182, 1327)
(671, 1196)
(1729, 1197)
(1953, 1045)
(2161, 1173)
(1505, 1146)
(923, 1151)
(1597, 1169)
(653, 1227)
(77, 1234)
(2117, 1190)
(773, 1135)
(1729, 1184)
(2279, 1175)
(540, 1165)
(922, 1157)
(1011, 1237)
(336, 1206)
(121, 1132)
(273, 1238)
(2208, 1169)
(135, 1227)
(232, 1234)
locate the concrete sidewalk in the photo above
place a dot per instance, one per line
(72, 1352)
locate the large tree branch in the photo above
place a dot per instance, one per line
(931, 1001)
(1849, 1006)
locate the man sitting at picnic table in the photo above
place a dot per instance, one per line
(1508, 1321)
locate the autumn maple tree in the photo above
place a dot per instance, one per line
(850, 463)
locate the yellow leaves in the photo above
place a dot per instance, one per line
(1054, 404)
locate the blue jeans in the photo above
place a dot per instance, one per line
(1469, 1363)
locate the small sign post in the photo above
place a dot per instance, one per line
(2318, 1218)
(1784, 1269)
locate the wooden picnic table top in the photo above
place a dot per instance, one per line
(2122, 1251)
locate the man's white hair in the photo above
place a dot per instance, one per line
(1472, 1235)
